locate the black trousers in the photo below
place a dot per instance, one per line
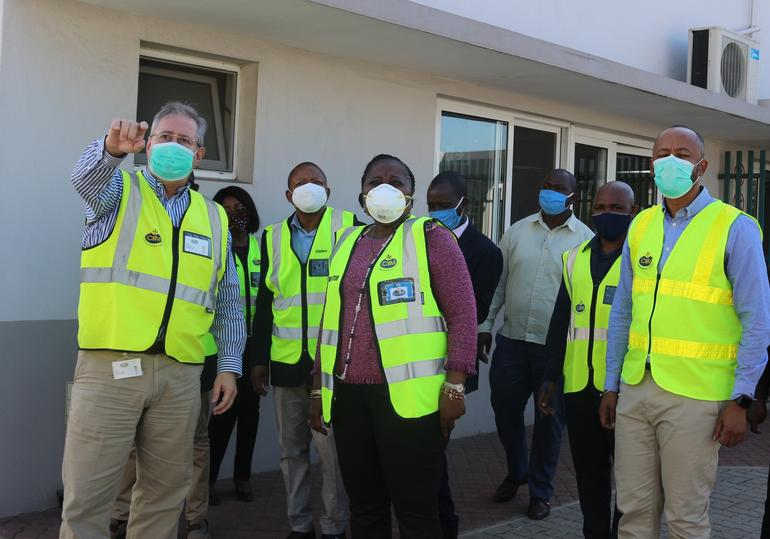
(592, 450)
(766, 517)
(386, 459)
(450, 522)
(244, 412)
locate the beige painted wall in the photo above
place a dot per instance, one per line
(66, 69)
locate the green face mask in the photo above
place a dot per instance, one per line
(673, 175)
(170, 161)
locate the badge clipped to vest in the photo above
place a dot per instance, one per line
(319, 267)
(197, 245)
(609, 294)
(396, 291)
(254, 278)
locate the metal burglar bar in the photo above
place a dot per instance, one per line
(635, 171)
(745, 185)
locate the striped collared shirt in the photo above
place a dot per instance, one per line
(99, 182)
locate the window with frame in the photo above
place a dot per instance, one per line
(211, 90)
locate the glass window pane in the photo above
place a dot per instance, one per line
(534, 156)
(635, 171)
(476, 148)
(210, 91)
(591, 172)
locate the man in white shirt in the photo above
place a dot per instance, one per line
(532, 271)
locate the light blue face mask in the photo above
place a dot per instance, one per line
(553, 202)
(170, 161)
(673, 175)
(448, 217)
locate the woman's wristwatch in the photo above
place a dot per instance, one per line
(453, 391)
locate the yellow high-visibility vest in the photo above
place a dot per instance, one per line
(253, 270)
(149, 277)
(249, 277)
(409, 328)
(587, 345)
(299, 289)
(683, 317)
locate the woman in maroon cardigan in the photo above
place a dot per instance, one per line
(384, 458)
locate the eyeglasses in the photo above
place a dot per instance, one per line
(170, 137)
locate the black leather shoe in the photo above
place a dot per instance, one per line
(538, 509)
(506, 491)
(301, 535)
(118, 528)
(243, 490)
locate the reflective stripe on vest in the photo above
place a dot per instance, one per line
(686, 308)
(410, 335)
(295, 321)
(585, 351)
(126, 281)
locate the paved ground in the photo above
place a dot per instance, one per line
(476, 466)
(735, 514)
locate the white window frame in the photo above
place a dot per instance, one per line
(513, 119)
(614, 143)
(197, 61)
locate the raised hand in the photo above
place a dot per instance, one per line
(125, 136)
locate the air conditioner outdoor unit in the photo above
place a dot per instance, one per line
(723, 62)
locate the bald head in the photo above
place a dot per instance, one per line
(614, 197)
(680, 139)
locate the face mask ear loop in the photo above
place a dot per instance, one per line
(698, 177)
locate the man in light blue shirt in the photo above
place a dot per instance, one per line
(668, 440)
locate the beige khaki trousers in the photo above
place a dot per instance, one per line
(665, 461)
(158, 412)
(197, 503)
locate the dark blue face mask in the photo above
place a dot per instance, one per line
(611, 226)
(448, 217)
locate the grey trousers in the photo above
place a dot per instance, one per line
(292, 407)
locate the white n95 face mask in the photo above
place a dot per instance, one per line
(385, 203)
(309, 198)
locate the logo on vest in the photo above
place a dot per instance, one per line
(333, 277)
(389, 262)
(153, 238)
(255, 261)
(645, 260)
(580, 307)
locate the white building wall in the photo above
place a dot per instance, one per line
(66, 69)
(648, 35)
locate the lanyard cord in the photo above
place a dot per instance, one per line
(360, 298)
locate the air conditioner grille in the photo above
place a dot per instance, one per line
(733, 69)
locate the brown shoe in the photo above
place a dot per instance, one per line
(243, 490)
